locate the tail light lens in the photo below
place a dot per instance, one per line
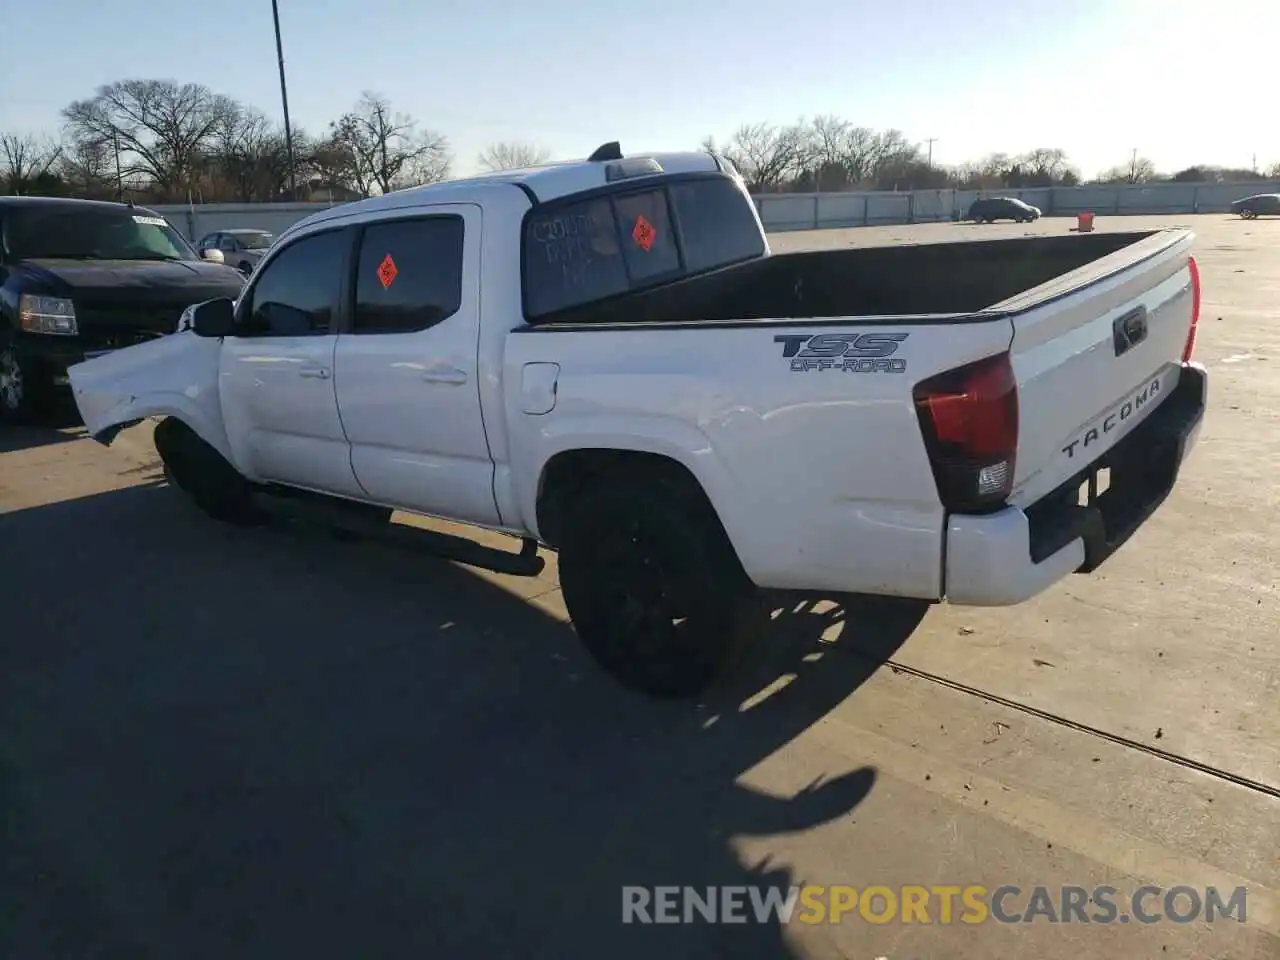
(969, 420)
(1190, 348)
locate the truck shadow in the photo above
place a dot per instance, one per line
(256, 743)
(60, 423)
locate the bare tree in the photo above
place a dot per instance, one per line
(512, 155)
(163, 128)
(895, 161)
(1137, 170)
(769, 156)
(827, 140)
(25, 159)
(828, 136)
(378, 150)
(858, 150)
(987, 173)
(1141, 169)
(333, 165)
(249, 155)
(88, 169)
(1045, 166)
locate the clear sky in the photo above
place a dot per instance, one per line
(1183, 82)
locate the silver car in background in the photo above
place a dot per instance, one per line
(241, 249)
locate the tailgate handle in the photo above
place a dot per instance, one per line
(1129, 330)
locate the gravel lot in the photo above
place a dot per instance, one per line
(226, 743)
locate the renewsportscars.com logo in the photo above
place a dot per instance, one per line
(968, 904)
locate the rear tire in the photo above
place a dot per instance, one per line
(652, 584)
(204, 475)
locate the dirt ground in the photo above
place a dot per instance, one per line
(218, 742)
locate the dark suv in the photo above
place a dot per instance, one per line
(991, 209)
(79, 278)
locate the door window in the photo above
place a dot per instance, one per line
(409, 276)
(296, 294)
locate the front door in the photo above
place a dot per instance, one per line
(406, 371)
(276, 374)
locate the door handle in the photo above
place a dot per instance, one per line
(450, 376)
(316, 373)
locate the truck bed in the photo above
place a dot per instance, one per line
(798, 411)
(910, 280)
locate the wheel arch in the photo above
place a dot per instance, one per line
(574, 468)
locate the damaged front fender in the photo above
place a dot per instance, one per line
(173, 376)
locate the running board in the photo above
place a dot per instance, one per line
(370, 523)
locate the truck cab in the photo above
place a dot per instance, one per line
(364, 358)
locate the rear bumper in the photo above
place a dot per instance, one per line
(1010, 556)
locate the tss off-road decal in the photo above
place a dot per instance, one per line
(850, 352)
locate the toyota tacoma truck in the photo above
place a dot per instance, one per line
(605, 358)
(80, 278)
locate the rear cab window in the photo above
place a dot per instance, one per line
(584, 249)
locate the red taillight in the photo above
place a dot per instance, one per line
(1190, 348)
(969, 419)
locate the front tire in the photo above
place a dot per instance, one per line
(204, 475)
(1248, 214)
(24, 394)
(652, 584)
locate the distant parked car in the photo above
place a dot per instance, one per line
(991, 209)
(241, 249)
(1260, 204)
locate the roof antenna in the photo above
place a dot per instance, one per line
(608, 151)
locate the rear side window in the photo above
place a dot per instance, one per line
(648, 242)
(571, 256)
(717, 224)
(586, 250)
(409, 276)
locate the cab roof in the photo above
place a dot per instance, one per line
(542, 183)
(70, 203)
(554, 180)
(545, 182)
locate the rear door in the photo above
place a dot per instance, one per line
(406, 368)
(1094, 352)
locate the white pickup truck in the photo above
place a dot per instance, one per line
(604, 357)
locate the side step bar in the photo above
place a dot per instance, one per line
(366, 522)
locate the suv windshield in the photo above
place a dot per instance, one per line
(585, 249)
(82, 234)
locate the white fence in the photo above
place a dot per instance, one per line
(791, 211)
(812, 211)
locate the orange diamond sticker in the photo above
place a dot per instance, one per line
(387, 271)
(644, 234)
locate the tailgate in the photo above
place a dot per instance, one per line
(1094, 352)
